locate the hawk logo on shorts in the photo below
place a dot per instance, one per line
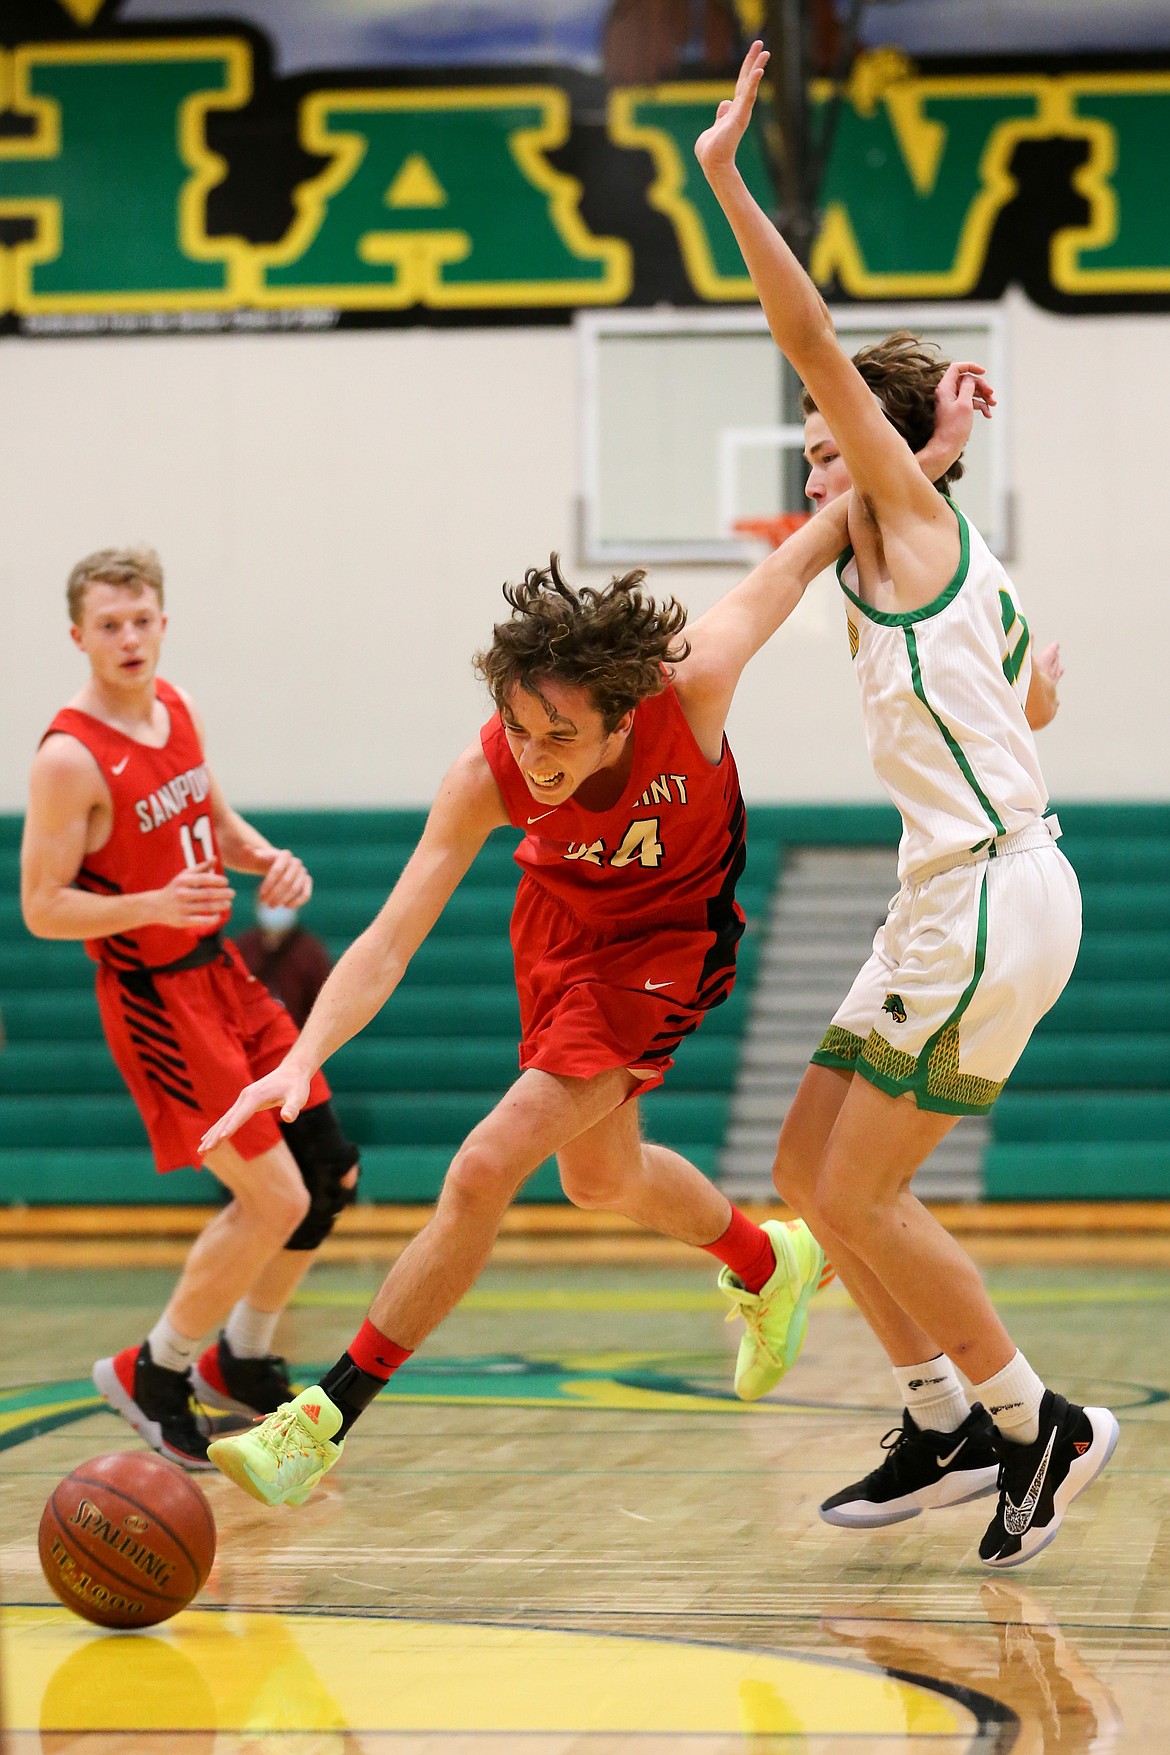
(893, 1004)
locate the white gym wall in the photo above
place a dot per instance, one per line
(336, 513)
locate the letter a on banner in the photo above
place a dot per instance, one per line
(441, 198)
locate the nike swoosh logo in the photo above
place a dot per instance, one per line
(120, 766)
(946, 1461)
(652, 986)
(540, 818)
(1016, 1518)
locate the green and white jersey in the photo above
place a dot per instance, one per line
(942, 696)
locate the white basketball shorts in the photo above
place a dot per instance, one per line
(966, 963)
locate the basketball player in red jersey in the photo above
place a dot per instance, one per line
(608, 750)
(125, 845)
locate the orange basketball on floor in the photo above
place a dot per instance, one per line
(127, 1540)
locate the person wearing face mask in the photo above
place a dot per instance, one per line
(290, 961)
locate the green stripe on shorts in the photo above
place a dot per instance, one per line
(933, 1078)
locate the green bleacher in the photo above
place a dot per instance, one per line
(1087, 1112)
(408, 1089)
(1086, 1115)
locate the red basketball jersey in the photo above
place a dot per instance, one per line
(162, 822)
(669, 851)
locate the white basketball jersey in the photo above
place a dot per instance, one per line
(942, 696)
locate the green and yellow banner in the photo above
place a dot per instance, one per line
(168, 179)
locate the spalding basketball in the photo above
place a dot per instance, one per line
(127, 1540)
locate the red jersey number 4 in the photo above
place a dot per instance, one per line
(639, 846)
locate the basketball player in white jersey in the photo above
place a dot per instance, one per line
(978, 944)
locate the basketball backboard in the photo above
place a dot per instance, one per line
(691, 424)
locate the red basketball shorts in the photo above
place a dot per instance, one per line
(594, 998)
(187, 1044)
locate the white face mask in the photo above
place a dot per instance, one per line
(275, 919)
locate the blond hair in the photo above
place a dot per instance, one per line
(132, 569)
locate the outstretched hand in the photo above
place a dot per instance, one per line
(716, 147)
(285, 1088)
(965, 381)
(962, 391)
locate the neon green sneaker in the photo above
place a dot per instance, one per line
(280, 1460)
(776, 1316)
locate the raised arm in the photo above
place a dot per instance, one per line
(466, 810)
(917, 528)
(733, 630)
(66, 797)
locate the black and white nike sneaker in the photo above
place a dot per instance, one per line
(923, 1472)
(1038, 1482)
(156, 1402)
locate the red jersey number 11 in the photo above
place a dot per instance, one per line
(199, 831)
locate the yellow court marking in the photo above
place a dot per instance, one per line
(833, 1298)
(28, 1410)
(255, 1673)
(542, 1298)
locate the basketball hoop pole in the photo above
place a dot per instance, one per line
(788, 35)
(801, 36)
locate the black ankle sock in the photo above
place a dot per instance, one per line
(350, 1389)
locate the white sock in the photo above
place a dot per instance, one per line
(936, 1399)
(1012, 1397)
(170, 1349)
(249, 1332)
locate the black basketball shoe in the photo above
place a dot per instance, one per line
(156, 1402)
(221, 1379)
(1038, 1482)
(923, 1472)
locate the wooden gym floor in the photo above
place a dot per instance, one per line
(561, 1535)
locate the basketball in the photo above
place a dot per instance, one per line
(126, 1540)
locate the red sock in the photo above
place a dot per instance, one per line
(747, 1251)
(375, 1354)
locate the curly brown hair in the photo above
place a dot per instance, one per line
(903, 372)
(133, 569)
(612, 642)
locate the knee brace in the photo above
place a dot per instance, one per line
(323, 1157)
